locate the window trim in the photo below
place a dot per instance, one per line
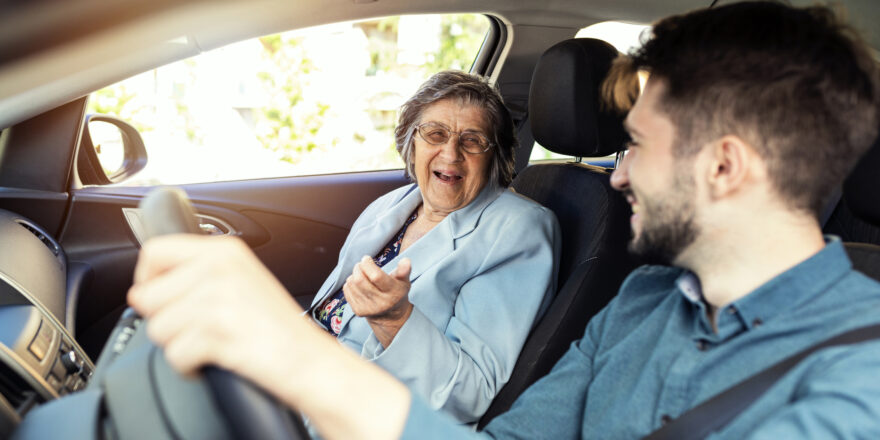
(493, 46)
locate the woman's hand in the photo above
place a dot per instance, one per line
(379, 297)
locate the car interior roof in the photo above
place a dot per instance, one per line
(111, 40)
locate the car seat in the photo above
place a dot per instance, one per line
(567, 117)
(857, 217)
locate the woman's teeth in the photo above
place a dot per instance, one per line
(446, 177)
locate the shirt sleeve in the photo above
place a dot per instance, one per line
(838, 398)
(461, 368)
(553, 407)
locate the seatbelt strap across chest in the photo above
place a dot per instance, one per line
(718, 411)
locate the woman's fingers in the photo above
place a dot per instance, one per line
(362, 273)
(353, 295)
(385, 283)
(371, 292)
(403, 269)
(371, 272)
(363, 297)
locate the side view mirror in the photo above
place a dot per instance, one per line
(111, 150)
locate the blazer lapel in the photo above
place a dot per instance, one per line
(371, 238)
(440, 241)
(432, 248)
(425, 253)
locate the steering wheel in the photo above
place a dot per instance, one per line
(249, 410)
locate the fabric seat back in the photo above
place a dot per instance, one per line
(856, 218)
(567, 117)
(861, 198)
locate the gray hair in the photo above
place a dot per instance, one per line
(467, 89)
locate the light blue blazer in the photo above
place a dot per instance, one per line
(480, 279)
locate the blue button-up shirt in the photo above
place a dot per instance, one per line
(652, 354)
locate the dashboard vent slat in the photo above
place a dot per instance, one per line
(15, 390)
(41, 236)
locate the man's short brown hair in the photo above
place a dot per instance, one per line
(798, 84)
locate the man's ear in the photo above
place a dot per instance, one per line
(731, 163)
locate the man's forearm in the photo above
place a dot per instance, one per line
(343, 395)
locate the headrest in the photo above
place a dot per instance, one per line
(862, 188)
(564, 107)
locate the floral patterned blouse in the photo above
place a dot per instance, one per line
(330, 313)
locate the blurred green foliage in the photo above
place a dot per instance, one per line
(288, 123)
(460, 39)
(116, 101)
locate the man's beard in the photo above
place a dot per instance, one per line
(668, 227)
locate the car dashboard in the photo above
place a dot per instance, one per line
(39, 358)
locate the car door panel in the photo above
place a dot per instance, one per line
(294, 225)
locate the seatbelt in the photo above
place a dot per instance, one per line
(718, 411)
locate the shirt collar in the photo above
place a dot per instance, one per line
(795, 286)
(785, 291)
(689, 286)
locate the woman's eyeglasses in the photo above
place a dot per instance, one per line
(470, 141)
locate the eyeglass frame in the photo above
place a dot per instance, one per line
(489, 143)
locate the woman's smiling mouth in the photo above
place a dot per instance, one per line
(447, 177)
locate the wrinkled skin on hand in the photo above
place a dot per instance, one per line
(379, 297)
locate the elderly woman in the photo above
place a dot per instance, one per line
(439, 282)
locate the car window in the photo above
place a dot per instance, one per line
(311, 101)
(623, 36)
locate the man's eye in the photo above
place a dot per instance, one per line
(628, 141)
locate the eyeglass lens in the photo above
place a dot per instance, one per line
(435, 134)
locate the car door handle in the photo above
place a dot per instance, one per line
(209, 224)
(214, 226)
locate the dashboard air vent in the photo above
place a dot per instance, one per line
(40, 235)
(15, 390)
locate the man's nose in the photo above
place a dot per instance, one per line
(620, 176)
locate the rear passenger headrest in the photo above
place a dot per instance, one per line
(862, 188)
(564, 96)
